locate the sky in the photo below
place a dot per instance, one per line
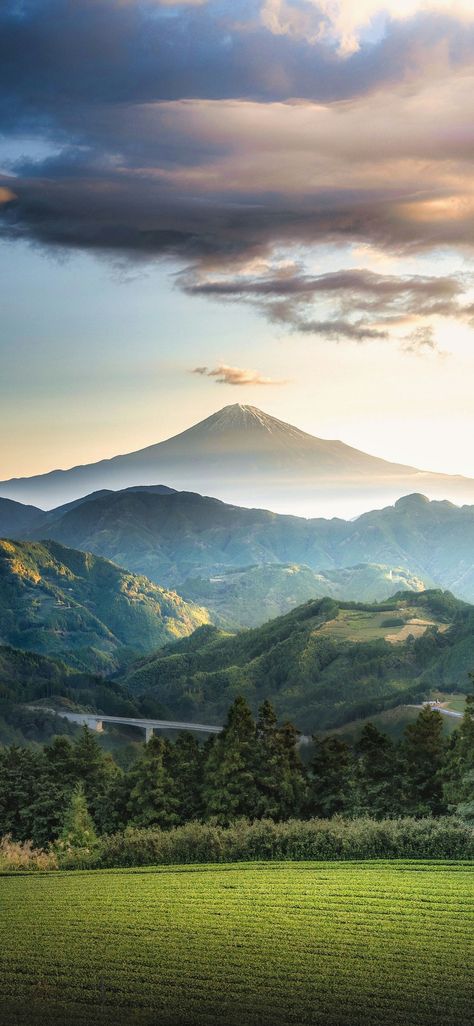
(266, 202)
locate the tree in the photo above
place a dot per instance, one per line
(459, 788)
(78, 830)
(424, 752)
(229, 788)
(331, 783)
(22, 780)
(184, 762)
(377, 775)
(151, 800)
(97, 771)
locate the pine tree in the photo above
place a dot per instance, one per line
(271, 765)
(229, 788)
(377, 775)
(97, 771)
(331, 781)
(459, 788)
(424, 754)
(294, 798)
(23, 779)
(78, 830)
(151, 800)
(184, 762)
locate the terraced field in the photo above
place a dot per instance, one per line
(363, 625)
(340, 944)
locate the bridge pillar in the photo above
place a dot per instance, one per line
(148, 734)
(95, 724)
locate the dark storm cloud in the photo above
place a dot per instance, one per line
(54, 53)
(169, 140)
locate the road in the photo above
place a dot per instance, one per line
(95, 720)
(440, 709)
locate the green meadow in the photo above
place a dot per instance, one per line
(328, 944)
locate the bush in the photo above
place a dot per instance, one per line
(17, 855)
(316, 839)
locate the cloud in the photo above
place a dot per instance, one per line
(212, 136)
(344, 22)
(225, 375)
(357, 304)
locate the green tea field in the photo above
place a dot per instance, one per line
(327, 944)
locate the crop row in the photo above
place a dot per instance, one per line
(259, 945)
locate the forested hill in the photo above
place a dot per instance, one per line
(73, 605)
(322, 665)
(177, 536)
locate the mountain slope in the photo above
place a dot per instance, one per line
(322, 665)
(250, 596)
(60, 602)
(243, 455)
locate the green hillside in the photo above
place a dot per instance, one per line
(250, 596)
(324, 664)
(69, 604)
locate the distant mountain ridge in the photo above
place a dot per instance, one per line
(172, 537)
(245, 456)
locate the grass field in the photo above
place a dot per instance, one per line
(249, 945)
(364, 625)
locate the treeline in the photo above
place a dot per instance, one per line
(253, 769)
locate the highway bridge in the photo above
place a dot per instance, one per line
(95, 721)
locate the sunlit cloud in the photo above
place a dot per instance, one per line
(225, 375)
(344, 21)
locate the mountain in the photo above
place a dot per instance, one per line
(250, 596)
(322, 665)
(60, 602)
(245, 456)
(178, 536)
(18, 520)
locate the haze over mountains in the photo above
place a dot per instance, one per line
(244, 456)
(182, 540)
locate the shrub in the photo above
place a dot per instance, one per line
(316, 839)
(18, 855)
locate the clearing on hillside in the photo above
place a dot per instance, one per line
(255, 944)
(372, 625)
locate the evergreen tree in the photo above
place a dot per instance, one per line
(229, 787)
(459, 787)
(184, 762)
(377, 775)
(294, 797)
(78, 827)
(22, 779)
(424, 752)
(151, 800)
(271, 765)
(97, 771)
(331, 781)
